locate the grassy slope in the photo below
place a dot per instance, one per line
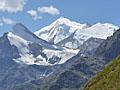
(108, 79)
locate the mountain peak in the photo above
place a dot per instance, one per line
(63, 20)
(22, 31)
(59, 30)
(20, 24)
(19, 28)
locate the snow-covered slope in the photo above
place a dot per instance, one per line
(33, 50)
(21, 31)
(63, 32)
(70, 34)
(59, 30)
(99, 30)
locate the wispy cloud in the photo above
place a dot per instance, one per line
(12, 5)
(7, 21)
(49, 10)
(34, 14)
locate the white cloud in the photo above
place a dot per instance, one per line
(34, 14)
(12, 5)
(7, 21)
(49, 9)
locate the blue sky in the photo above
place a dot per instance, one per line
(36, 14)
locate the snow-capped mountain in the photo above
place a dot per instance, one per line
(25, 58)
(71, 34)
(33, 50)
(99, 30)
(21, 31)
(59, 30)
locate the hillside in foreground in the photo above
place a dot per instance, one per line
(108, 79)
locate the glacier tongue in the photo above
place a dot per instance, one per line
(62, 56)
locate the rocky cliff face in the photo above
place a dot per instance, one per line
(6, 49)
(110, 48)
(89, 47)
(70, 76)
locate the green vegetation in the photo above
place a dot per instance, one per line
(108, 79)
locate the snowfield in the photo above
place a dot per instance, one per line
(56, 43)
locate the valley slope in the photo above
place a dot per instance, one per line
(108, 79)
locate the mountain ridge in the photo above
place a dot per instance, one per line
(63, 28)
(27, 60)
(33, 50)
